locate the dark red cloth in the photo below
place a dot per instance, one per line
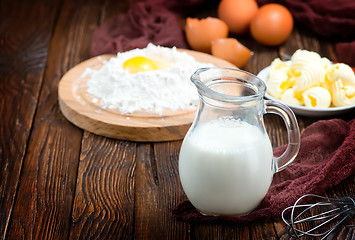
(147, 21)
(346, 52)
(329, 18)
(326, 157)
(157, 21)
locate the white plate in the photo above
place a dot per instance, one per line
(302, 110)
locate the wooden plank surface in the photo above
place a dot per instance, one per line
(157, 192)
(25, 33)
(44, 200)
(59, 182)
(104, 198)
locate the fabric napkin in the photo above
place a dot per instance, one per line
(326, 157)
(332, 19)
(157, 22)
(147, 21)
(346, 53)
(328, 18)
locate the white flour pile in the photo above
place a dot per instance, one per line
(169, 87)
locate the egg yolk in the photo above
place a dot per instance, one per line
(139, 64)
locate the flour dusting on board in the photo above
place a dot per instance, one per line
(151, 79)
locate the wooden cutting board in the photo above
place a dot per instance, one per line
(77, 106)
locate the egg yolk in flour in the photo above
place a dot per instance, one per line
(140, 64)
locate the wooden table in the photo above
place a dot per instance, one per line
(60, 182)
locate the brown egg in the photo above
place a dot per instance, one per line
(231, 50)
(200, 33)
(237, 14)
(272, 24)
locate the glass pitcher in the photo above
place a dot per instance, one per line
(226, 162)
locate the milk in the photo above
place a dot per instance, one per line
(226, 167)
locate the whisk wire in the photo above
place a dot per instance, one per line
(317, 204)
(320, 216)
(344, 209)
(309, 232)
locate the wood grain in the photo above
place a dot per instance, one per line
(221, 231)
(25, 32)
(77, 106)
(158, 191)
(104, 199)
(44, 201)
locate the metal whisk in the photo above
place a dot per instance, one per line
(330, 212)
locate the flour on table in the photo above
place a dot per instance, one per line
(169, 87)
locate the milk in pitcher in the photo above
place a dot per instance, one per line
(225, 167)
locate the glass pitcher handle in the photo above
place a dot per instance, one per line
(293, 133)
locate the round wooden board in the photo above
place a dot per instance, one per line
(76, 106)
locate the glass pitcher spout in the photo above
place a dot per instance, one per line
(227, 85)
(229, 95)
